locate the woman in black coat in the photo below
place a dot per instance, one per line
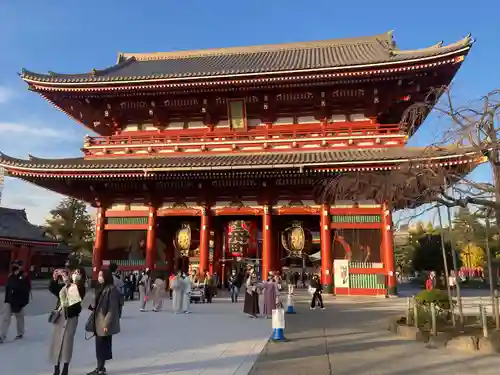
(104, 321)
(317, 290)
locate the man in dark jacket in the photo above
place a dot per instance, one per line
(17, 296)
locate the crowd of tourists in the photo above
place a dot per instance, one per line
(69, 286)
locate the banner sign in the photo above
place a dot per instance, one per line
(341, 273)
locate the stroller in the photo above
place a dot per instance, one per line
(198, 294)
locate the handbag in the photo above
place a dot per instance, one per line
(89, 326)
(54, 316)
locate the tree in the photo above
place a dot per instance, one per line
(429, 255)
(472, 256)
(404, 258)
(473, 131)
(467, 229)
(71, 223)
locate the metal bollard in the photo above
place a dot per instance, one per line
(408, 310)
(433, 319)
(497, 310)
(415, 312)
(484, 320)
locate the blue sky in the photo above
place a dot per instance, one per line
(74, 37)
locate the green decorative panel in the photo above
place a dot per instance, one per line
(135, 263)
(356, 219)
(127, 220)
(129, 263)
(362, 281)
(358, 264)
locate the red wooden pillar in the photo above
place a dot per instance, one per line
(267, 242)
(204, 242)
(326, 249)
(217, 251)
(151, 239)
(100, 234)
(388, 250)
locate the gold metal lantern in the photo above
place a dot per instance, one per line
(296, 240)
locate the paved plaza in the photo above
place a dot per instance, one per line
(216, 339)
(349, 338)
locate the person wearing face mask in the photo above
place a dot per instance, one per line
(145, 289)
(251, 305)
(69, 288)
(104, 321)
(234, 286)
(17, 295)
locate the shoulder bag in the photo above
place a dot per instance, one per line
(54, 316)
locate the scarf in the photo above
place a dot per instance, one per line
(67, 291)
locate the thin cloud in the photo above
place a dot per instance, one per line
(33, 130)
(5, 94)
(35, 200)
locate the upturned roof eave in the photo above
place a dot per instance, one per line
(92, 80)
(119, 166)
(30, 240)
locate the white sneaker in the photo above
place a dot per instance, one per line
(142, 310)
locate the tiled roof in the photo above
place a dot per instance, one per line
(239, 160)
(14, 225)
(254, 60)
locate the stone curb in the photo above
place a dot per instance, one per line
(466, 343)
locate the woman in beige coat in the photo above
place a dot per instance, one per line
(70, 291)
(158, 292)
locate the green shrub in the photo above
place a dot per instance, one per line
(437, 296)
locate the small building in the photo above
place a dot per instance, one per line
(21, 240)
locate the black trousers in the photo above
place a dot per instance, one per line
(209, 294)
(317, 297)
(103, 348)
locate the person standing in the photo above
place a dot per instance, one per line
(177, 293)
(209, 287)
(290, 281)
(133, 282)
(187, 286)
(17, 296)
(144, 288)
(104, 321)
(317, 289)
(251, 306)
(70, 291)
(158, 292)
(271, 293)
(170, 283)
(234, 286)
(120, 286)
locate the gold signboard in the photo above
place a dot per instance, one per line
(237, 118)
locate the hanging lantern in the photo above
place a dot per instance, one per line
(238, 237)
(296, 240)
(185, 239)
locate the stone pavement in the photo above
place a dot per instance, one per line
(215, 339)
(350, 338)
